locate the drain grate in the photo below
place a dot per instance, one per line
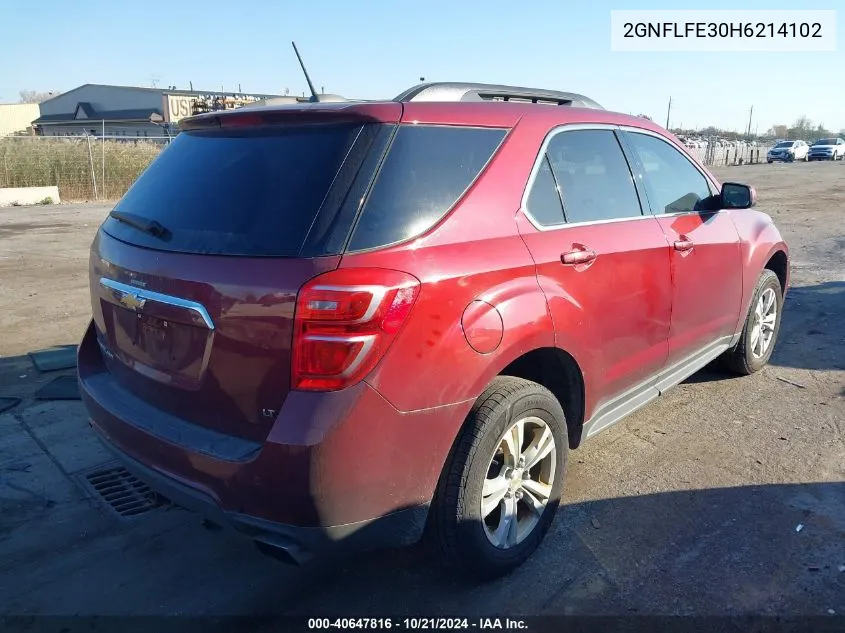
(124, 493)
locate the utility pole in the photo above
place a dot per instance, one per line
(749, 121)
(668, 112)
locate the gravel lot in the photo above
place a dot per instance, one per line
(688, 507)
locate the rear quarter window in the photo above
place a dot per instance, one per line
(426, 171)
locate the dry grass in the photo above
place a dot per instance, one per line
(66, 163)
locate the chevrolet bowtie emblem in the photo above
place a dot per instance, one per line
(130, 300)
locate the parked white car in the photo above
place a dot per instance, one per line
(827, 149)
(788, 151)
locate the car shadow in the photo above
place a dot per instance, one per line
(810, 336)
(757, 549)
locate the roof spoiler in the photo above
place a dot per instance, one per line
(459, 91)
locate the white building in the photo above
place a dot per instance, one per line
(17, 118)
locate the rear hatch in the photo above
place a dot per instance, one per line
(194, 275)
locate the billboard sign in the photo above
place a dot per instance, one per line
(179, 106)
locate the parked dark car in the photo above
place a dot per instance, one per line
(339, 326)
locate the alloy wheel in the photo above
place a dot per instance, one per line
(765, 318)
(519, 482)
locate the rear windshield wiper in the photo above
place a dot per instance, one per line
(150, 227)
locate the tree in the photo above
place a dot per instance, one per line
(33, 96)
(778, 131)
(803, 128)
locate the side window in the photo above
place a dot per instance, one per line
(673, 184)
(427, 170)
(593, 176)
(544, 199)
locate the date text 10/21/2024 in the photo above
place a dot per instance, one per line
(416, 624)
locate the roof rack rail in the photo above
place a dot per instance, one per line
(459, 91)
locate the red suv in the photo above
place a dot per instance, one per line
(347, 325)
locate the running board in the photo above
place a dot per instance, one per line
(625, 404)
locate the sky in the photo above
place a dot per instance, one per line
(375, 49)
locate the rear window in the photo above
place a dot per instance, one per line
(426, 171)
(250, 192)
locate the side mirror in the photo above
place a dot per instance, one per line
(737, 196)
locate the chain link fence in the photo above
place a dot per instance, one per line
(88, 168)
(83, 168)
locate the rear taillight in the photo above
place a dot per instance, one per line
(345, 320)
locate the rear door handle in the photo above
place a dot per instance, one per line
(684, 244)
(578, 255)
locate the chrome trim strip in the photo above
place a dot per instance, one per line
(149, 295)
(567, 225)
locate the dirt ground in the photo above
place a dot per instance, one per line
(690, 506)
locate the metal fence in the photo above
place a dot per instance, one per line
(103, 168)
(82, 167)
(714, 152)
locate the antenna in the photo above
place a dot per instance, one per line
(314, 96)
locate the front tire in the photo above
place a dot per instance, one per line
(501, 486)
(761, 328)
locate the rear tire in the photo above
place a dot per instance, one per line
(761, 328)
(483, 464)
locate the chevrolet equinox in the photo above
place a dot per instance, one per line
(347, 325)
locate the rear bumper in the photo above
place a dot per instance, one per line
(341, 470)
(293, 543)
